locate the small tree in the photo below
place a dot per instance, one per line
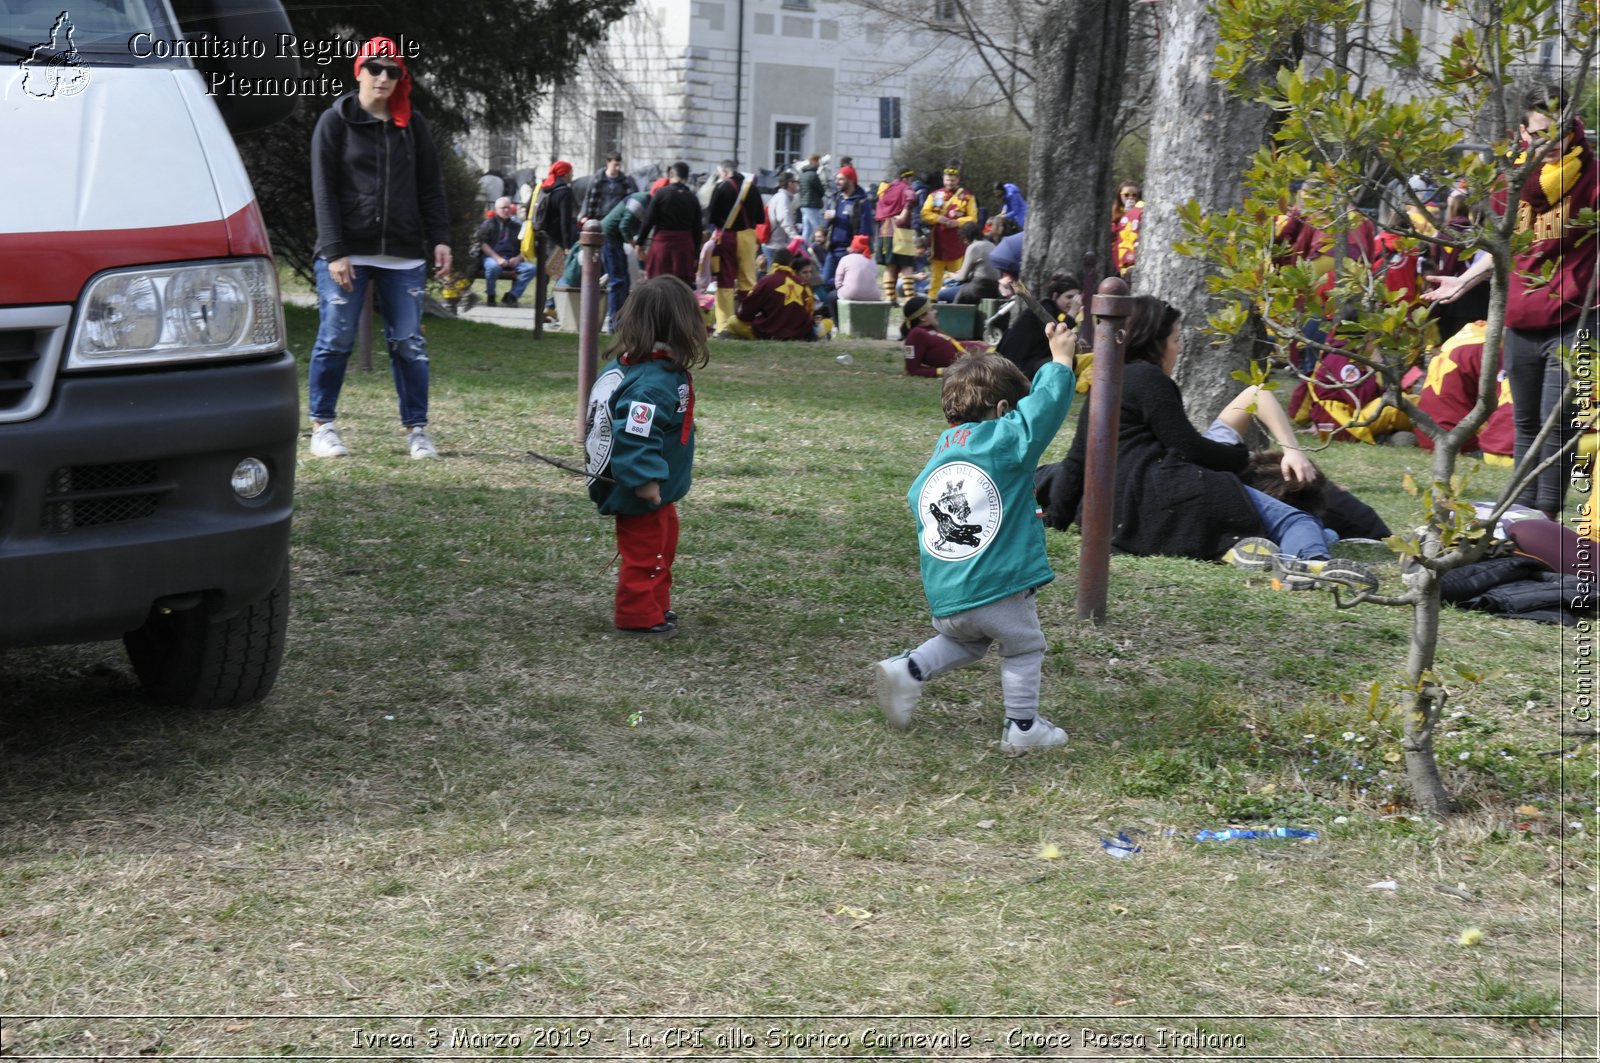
(1349, 147)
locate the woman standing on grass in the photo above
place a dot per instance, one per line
(373, 150)
(640, 445)
(1178, 491)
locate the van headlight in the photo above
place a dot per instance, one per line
(183, 313)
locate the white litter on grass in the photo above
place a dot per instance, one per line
(1386, 884)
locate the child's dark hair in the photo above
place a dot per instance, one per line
(1265, 474)
(977, 383)
(971, 231)
(662, 310)
(1151, 322)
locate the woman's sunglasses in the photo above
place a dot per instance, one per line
(378, 70)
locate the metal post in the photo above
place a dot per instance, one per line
(541, 283)
(1110, 307)
(364, 332)
(589, 241)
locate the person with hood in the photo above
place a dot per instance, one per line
(897, 240)
(381, 216)
(1012, 203)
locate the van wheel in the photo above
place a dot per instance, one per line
(185, 659)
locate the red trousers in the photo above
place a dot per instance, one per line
(647, 543)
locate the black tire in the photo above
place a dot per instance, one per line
(185, 659)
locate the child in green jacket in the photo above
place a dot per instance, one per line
(640, 445)
(982, 544)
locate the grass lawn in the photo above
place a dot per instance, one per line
(468, 797)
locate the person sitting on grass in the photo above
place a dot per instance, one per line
(982, 548)
(781, 305)
(928, 351)
(1178, 491)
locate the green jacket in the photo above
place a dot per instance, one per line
(640, 428)
(623, 222)
(977, 526)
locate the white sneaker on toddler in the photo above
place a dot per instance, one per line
(1014, 741)
(898, 690)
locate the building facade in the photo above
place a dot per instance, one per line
(763, 82)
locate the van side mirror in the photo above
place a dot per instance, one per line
(263, 21)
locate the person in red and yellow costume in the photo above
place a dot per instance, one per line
(780, 306)
(1126, 214)
(1551, 303)
(736, 209)
(1344, 400)
(945, 211)
(1451, 390)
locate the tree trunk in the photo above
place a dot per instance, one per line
(1423, 705)
(1200, 137)
(1079, 49)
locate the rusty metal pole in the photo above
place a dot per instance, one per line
(364, 332)
(1110, 307)
(589, 241)
(541, 283)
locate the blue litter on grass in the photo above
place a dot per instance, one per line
(1120, 847)
(1235, 834)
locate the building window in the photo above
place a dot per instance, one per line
(789, 144)
(798, 5)
(947, 10)
(607, 136)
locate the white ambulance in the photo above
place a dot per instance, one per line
(148, 403)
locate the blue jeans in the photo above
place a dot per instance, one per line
(526, 272)
(1296, 532)
(810, 222)
(829, 268)
(399, 300)
(614, 257)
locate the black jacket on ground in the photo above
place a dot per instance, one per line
(376, 186)
(1177, 493)
(674, 208)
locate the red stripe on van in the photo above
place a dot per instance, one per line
(43, 268)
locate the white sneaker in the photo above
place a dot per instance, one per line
(325, 442)
(1014, 741)
(898, 690)
(421, 445)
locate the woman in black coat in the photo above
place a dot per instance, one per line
(1178, 491)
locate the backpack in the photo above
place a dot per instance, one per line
(764, 230)
(541, 211)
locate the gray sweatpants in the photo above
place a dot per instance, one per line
(965, 638)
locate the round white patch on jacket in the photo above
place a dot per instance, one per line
(959, 511)
(597, 440)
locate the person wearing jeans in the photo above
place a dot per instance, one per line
(370, 147)
(621, 227)
(397, 293)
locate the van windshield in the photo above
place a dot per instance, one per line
(62, 33)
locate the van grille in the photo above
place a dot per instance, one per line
(31, 339)
(19, 362)
(81, 496)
